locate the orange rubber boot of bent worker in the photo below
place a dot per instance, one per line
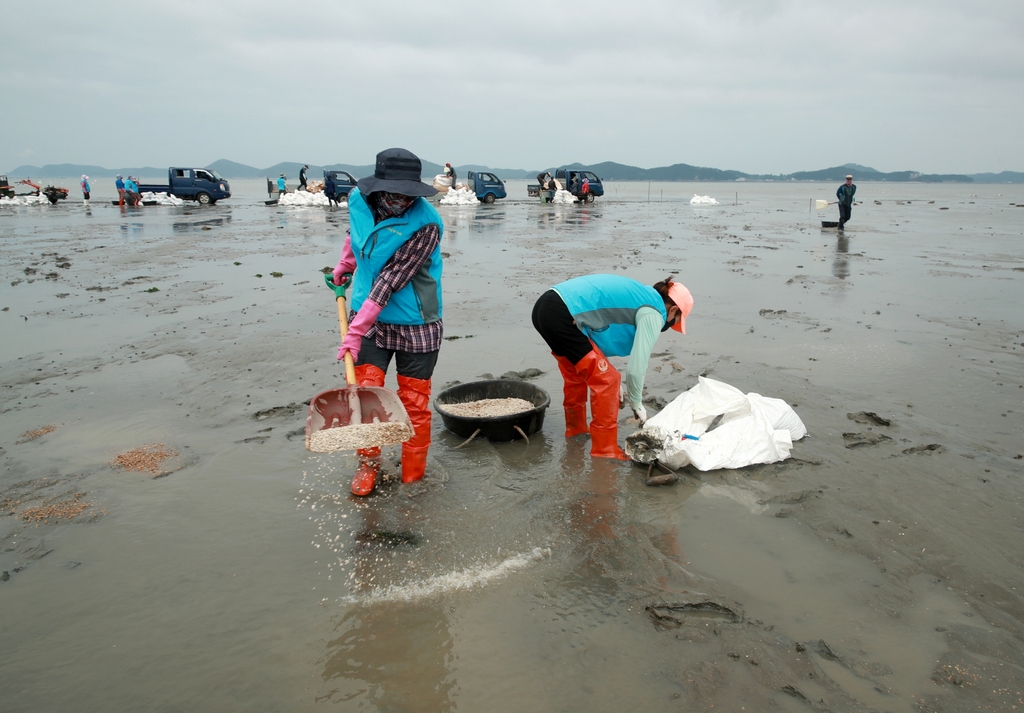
(603, 380)
(415, 396)
(365, 479)
(574, 391)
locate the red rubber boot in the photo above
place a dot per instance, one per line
(415, 396)
(574, 391)
(603, 380)
(365, 479)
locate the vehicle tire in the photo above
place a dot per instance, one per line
(204, 198)
(489, 198)
(590, 198)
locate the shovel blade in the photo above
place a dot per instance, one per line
(334, 409)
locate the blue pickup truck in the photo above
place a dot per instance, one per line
(192, 184)
(338, 184)
(487, 186)
(572, 181)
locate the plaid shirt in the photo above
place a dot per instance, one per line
(397, 272)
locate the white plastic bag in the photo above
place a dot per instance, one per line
(753, 429)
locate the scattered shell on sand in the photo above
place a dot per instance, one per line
(145, 458)
(487, 408)
(359, 435)
(63, 510)
(33, 435)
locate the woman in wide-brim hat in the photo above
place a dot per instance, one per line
(392, 259)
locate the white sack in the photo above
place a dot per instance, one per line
(702, 200)
(563, 196)
(460, 196)
(304, 198)
(442, 183)
(161, 198)
(753, 429)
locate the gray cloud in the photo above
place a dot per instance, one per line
(752, 85)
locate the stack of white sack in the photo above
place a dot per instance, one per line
(161, 198)
(563, 196)
(460, 196)
(442, 182)
(25, 200)
(702, 200)
(303, 198)
(753, 429)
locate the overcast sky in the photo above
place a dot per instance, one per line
(761, 86)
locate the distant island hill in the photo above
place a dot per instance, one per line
(608, 171)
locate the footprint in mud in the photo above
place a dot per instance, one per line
(288, 410)
(254, 439)
(852, 440)
(869, 417)
(523, 375)
(681, 613)
(930, 448)
(777, 314)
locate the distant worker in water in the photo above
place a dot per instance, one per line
(86, 189)
(845, 195)
(131, 191)
(394, 250)
(450, 172)
(302, 178)
(119, 185)
(282, 186)
(586, 319)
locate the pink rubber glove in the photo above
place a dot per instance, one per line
(346, 264)
(358, 327)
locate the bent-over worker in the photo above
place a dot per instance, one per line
(394, 250)
(586, 319)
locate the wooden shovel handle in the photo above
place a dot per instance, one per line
(350, 365)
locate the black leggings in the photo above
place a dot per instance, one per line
(411, 364)
(555, 323)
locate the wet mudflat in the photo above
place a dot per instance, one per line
(879, 569)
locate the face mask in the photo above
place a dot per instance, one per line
(397, 202)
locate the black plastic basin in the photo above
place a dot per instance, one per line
(495, 428)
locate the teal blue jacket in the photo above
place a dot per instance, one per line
(605, 309)
(845, 194)
(373, 244)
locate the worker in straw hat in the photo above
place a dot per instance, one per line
(586, 319)
(392, 258)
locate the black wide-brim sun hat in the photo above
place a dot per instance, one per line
(397, 171)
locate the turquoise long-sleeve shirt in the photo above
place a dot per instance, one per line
(648, 327)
